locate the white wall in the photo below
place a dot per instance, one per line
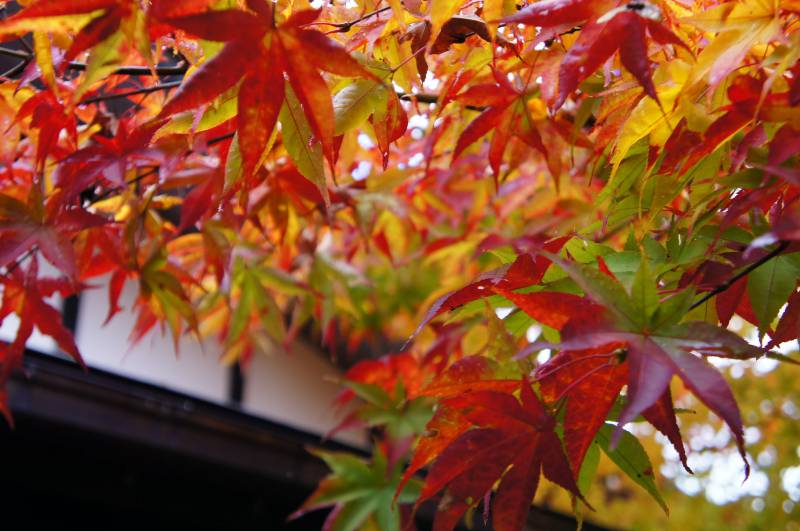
(194, 370)
(286, 387)
(294, 388)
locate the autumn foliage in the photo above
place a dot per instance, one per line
(566, 205)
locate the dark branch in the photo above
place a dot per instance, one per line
(108, 192)
(163, 70)
(741, 274)
(431, 99)
(19, 54)
(421, 98)
(145, 90)
(344, 27)
(220, 138)
(13, 71)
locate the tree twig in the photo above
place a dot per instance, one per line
(741, 274)
(421, 97)
(133, 92)
(344, 27)
(425, 97)
(14, 70)
(161, 70)
(107, 193)
(220, 138)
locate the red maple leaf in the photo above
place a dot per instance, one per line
(48, 227)
(555, 13)
(96, 31)
(389, 125)
(50, 116)
(506, 115)
(591, 380)
(386, 373)
(485, 436)
(23, 295)
(656, 348)
(108, 158)
(788, 328)
(623, 28)
(526, 270)
(259, 54)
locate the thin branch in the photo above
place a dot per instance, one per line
(107, 193)
(133, 92)
(421, 98)
(181, 69)
(13, 71)
(25, 44)
(741, 274)
(163, 70)
(344, 27)
(19, 54)
(220, 138)
(18, 262)
(425, 97)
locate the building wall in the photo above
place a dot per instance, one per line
(293, 388)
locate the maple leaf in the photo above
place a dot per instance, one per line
(526, 270)
(507, 114)
(100, 24)
(685, 148)
(50, 116)
(511, 111)
(47, 227)
(389, 388)
(467, 375)
(361, 493)
(24, 294)
(260, 54)
(656, 346)
(591, 380)
(507, 439)
(454, 30)
(555, 13)
(389, 125)
(59, 14)
(738, 27)
(622, 29)
(201, 200)
(387, 373)
(788, 328)
(109, 158)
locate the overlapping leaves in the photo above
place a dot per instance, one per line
(286, 50)
(487, 436)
